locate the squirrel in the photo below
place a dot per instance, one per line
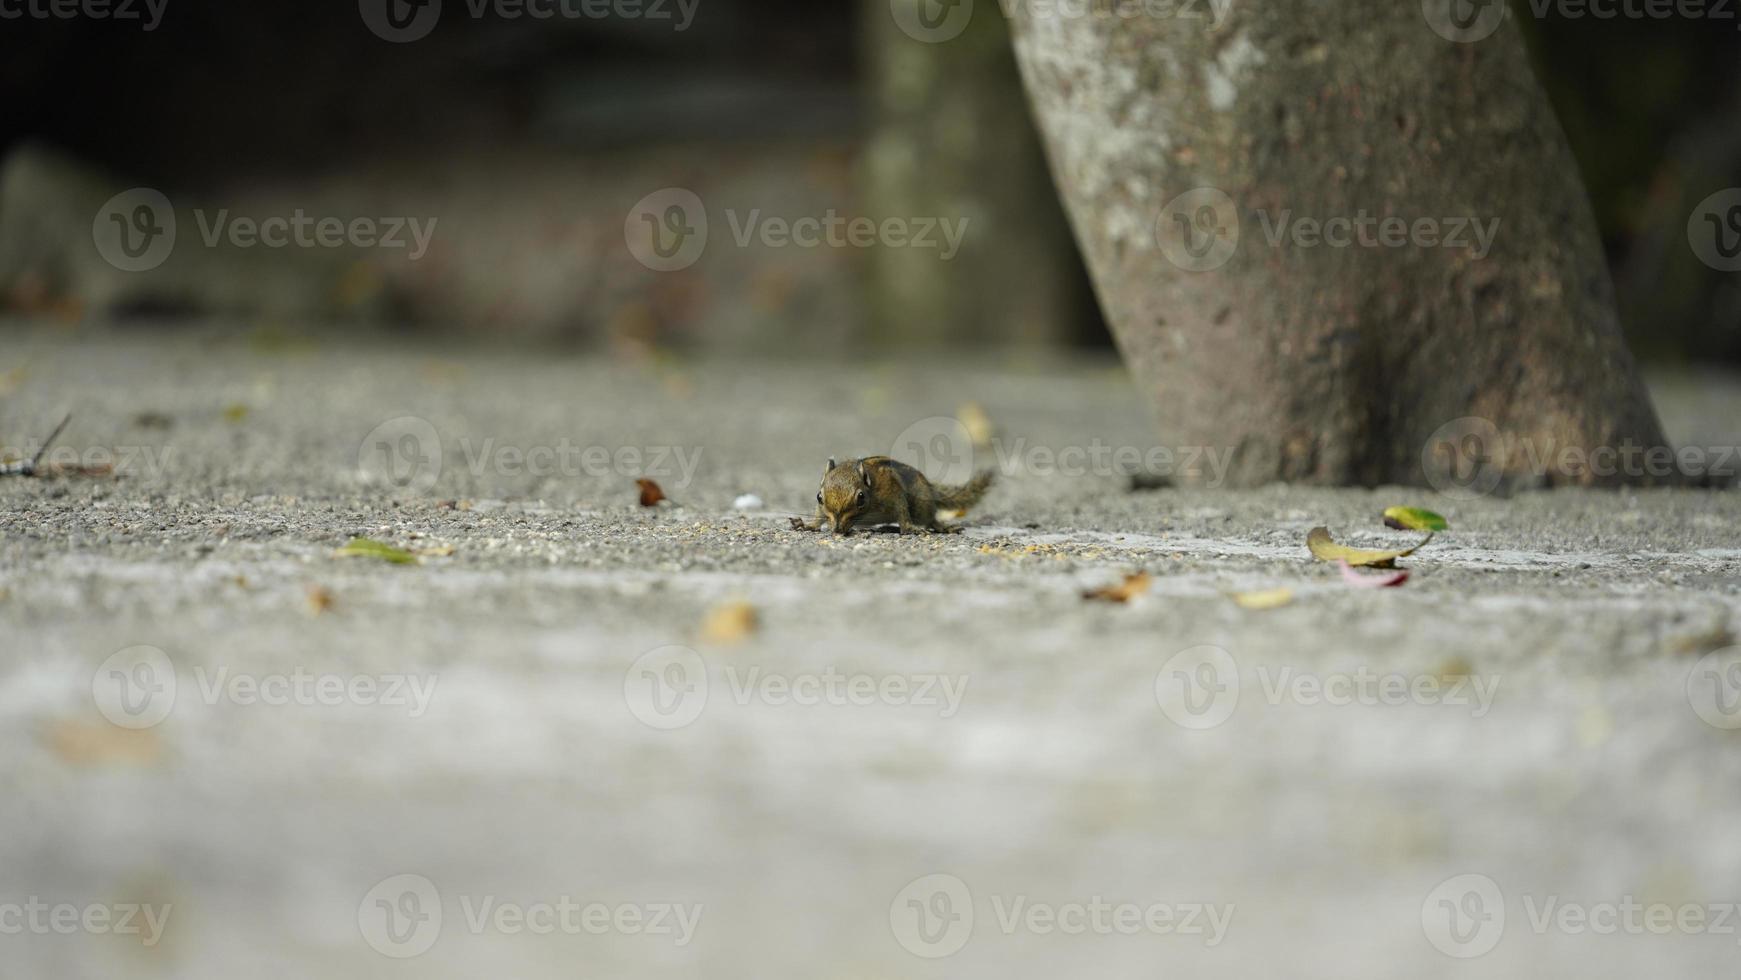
(880, 490)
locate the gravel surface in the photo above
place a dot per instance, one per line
(908, 756)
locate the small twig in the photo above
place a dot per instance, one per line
(28, 467)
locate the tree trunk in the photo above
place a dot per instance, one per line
(952, 138)
(1194, 159)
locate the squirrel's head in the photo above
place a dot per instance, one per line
(845, 493)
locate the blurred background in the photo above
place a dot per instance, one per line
(531, 140)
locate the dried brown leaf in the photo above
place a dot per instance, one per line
(1134, 584)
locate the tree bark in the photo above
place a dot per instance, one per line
(1365, 362)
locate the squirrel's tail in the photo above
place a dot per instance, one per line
(966, 495)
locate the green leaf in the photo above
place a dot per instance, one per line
(365, 548)
(1414, 519)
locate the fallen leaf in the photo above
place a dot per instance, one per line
(651, 493)
(729, 623)
(1361, 580)
(61, 470)
(439, 551)
(365, 548)
(85, 744)
(1455, 667)
(235, 413)
(320, 600)
(977, 423)
(1692, 644)
(1325, 548)
(1265, 599)
(1134, 584)
(1414, 519)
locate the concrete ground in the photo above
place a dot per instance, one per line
(564, 747)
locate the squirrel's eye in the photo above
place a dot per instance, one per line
(819, 496)
(861, 497)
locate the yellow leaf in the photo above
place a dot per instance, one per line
(365, 548)
(85, 744)
(1325, 548)
(1454, 668)
(729, 623)
(977, 423)
(1265, 599)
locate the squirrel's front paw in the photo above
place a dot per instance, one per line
(799, 524)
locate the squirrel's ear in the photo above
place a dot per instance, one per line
(830, 464)
(863, 476)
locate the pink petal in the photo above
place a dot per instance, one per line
(1387, 580)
